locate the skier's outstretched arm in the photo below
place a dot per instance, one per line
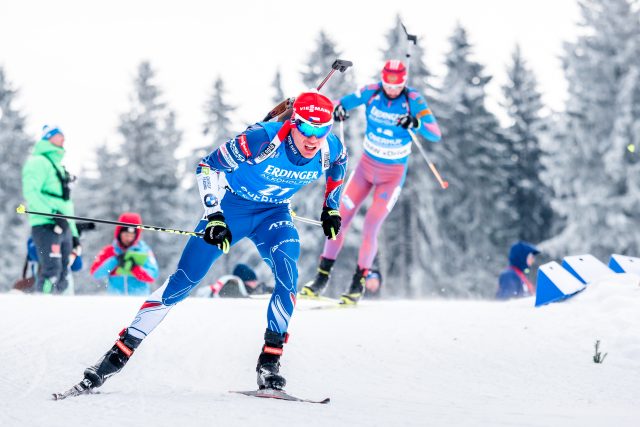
(330, 217)
(212, 170)
(428, 125)
(335, 178)
(359, 97)
(104, 263)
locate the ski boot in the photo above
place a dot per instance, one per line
(356, 290)
(268, 368)
(113, 361)
(314, 288)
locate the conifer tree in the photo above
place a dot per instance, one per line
(15, 145)
(318, 66)
(411, 232)
(472, 210)
(529, 196)
(278, 93)
(145, 179)
(595, 174)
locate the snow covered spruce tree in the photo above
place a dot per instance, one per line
(318, 66)
(594, 171)
(219, 128)
(14, 149)
(144, 179)
(529, 213)
(278, 93)
(410, 233)
(216, 128)
(312, 238)
(474, 209)
(97, 185)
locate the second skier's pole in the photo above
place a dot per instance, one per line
(443, 184)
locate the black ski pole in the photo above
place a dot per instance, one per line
(410, 38)
(443, 184)
(340, 65)
(22, 210)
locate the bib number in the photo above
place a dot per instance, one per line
(274, 190)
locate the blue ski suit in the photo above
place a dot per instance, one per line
(251, 179)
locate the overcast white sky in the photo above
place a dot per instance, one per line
(74, 61)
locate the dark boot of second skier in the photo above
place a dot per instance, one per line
(356, 290)
(315, 288)
(268, 368)
(113, 360)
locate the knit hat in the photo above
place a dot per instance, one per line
(244, 272)
(49, 130)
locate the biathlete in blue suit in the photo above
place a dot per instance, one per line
(245, 187)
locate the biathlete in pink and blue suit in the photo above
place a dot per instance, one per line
(391, 109)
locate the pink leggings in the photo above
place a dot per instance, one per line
(386, 180)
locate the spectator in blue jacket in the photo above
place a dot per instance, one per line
(127, 262)
(513, 282)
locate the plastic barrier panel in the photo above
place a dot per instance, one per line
(554, 283)
(624, 264)
(586, 268)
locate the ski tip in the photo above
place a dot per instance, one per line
(21, 209)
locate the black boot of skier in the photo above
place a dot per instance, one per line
(356, 290)
(268, 368)
(113, 360)
(315, 288)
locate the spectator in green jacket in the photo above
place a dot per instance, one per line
(45, 187)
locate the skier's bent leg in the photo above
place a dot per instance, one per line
(283, 261)
(377, 213)
(357, 189)
(196, 259)
(280, 249)
(193, 266)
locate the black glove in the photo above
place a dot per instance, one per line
(121, 259)
(331, 222)
(75, 245)
(85, 226)
(407, 121)
(61, 225)
(217, 233)
(340, 114)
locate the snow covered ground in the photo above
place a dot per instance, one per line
(389, 363)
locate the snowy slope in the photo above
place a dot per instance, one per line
(391, 363)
